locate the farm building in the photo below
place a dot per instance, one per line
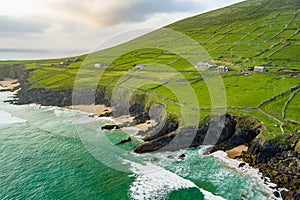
(63, 64)
(98, 65)
(204, 65)
(140, 66)
(261, 69)
(222, 69)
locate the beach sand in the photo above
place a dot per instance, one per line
(9, 83)
(237, 151)
(93, 109)
(102, 109)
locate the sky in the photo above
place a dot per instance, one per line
(76, 26)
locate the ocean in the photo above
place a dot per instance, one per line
(53, 153)
(34, 54)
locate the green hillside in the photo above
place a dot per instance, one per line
(254, 32)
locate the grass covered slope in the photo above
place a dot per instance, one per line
(255, 32)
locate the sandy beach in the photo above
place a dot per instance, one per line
(102, 109)
(9, 83)
(236, 152)
(93, 109)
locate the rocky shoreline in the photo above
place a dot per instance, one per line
(278, 160)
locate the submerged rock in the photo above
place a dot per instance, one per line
(124, 141)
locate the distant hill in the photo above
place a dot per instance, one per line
(253, 32)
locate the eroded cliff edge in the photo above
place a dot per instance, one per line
(277, 158)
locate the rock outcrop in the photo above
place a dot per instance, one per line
(224, 132)
(110, 127)
(278, 160)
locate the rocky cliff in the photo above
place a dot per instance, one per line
(224, 132)
(278, 159)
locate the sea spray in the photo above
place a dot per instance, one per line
(247, 170)
(154, 182)
(7, 118)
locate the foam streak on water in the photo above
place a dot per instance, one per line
(247, 170)
(7, 118)
(154, 182)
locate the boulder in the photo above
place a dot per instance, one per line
(242, 165)
(110, 127)
(106, 114)
(124, 141)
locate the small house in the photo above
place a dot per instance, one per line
(204, 65)
(261, 69)
(222, 69)
(98, 65)
(63, 64)
(140, 66)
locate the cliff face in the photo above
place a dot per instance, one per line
(210, 132)
(279, 160)
(48, 97)
(13, 71)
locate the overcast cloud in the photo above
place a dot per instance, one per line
(107, 13)
(14, 26)
(82, 25)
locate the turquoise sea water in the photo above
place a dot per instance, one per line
(52, 153)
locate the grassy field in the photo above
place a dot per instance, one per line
(257, 32)
(292, 111)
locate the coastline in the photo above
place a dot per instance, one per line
(99, 109)
(237, 152)
(103, 110)
(9, 84)
(92, 109)
(271, 188)
(231, 157)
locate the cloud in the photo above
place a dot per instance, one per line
(13, 25)
(108, 13)
(76, 24)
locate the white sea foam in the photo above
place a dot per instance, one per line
(7, 118)
(132, 131)
(205, 150)
(247, 170)
(154, 182)
(108, 119)
(210, 196)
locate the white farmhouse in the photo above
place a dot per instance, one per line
(222, 69)
(204, 65)
(140, 66)
(261, 69)
(98, 65)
